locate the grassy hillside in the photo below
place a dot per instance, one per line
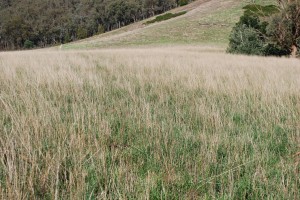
(207, 22)
(151, 123)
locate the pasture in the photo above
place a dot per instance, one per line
(176, 122)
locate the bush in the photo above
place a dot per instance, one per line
(245, 40)
(28, 44)
(259, 10)
(67, 38)
(183, 2)
(275, 50)
(165, 17)
(101, 29)
(82, 33)
(247, 37)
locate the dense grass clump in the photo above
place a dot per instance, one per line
(154, 124)
(166, 16)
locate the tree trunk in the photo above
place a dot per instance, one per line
(294, 51)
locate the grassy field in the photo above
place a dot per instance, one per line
(148, 123)
(164, 114)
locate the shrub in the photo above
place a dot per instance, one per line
(275, 50)
(259, 10)
(165, 17)
(183, 2)
(67, 38)
(28, 44)
(82, 33)
(101, 29)
(245, 40)
(247, 37)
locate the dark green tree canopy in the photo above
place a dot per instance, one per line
(53, 22)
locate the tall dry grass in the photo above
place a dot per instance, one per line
(152, 123)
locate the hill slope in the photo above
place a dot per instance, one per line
(206, 22)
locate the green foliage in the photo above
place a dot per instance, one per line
(16, 30)
(82, 33)
(67, 38)
(284, 28)
(247, 36)
(259, 10)
(275, 50)
(254, 34)
(245, 40)
(28, 44)
(183, 2)
(101, 29)
(166, 16)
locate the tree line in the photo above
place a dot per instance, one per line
(40, 23)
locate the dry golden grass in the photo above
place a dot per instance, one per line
(148, 123)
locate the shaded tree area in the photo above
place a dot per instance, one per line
(284, 28)
(41, 23)
(268, 30)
